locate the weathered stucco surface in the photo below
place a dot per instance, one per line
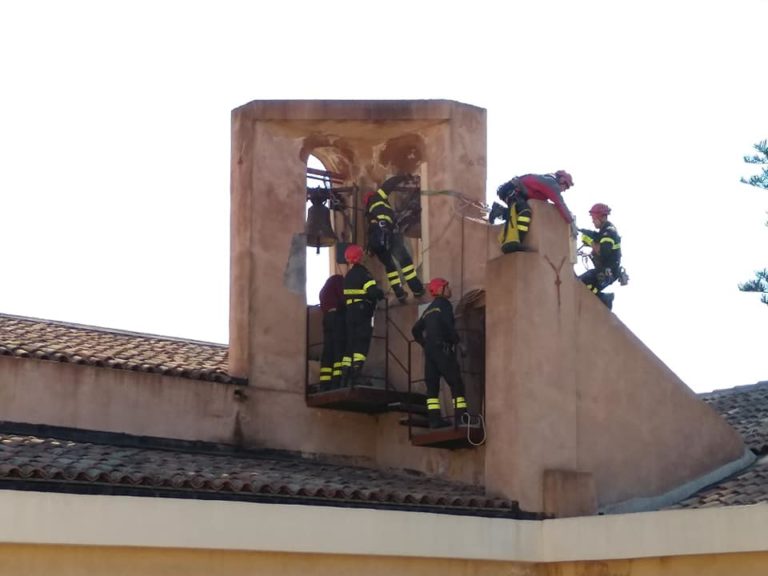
(77, 534)
(571, 388)
(444, 143)
(570, 394)
(56, 394)
(119, 561)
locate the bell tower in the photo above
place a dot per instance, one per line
(580, 414)
(361, 143)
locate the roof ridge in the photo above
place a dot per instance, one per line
(734, 389)
(116, 331)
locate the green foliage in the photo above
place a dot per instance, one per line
(761, 158)
(760, 282)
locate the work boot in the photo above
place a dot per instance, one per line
(606, 298)
(458, 416)
(343, 380)
(354, 374)
(510, 247)
(436, 420)
(400, 294)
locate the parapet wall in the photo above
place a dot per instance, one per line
(108, 400)
(571, 389)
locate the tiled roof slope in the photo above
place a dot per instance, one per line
(43, 462)
(748, 487)
(63, 342)
(746, 409)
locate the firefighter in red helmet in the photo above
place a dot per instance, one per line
(361, 295)
(436, 333)
(517, 213)
(385, 240)
(334, 332)
(605, 243)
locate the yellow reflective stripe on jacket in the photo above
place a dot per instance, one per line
(355, 291)
(365, 287)
(379, 203)
(610, 241)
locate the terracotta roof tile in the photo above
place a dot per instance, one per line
(748, 487)
(242, 475)
(87, 345)
(36, 459)
(746, 409)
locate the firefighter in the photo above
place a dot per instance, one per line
(606, 254)
(517, 215)
(334, 332)
(386, 241)
(436, 333)
(361, 295)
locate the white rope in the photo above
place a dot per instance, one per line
(466, 420)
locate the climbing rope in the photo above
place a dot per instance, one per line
(466, 420)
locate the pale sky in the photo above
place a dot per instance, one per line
(115, 144)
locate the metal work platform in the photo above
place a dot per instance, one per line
(367, 399)
(451, 437)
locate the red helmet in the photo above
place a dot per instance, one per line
(353, 254)
(436, 286)
(367, 197)
(600, 209)
(563, 177)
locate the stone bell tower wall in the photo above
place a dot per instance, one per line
(364, 141)
(571, 390)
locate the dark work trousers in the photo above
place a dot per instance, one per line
(392, 253)
(597, 280)
(440, 360)
(334, 345)
(359, 332)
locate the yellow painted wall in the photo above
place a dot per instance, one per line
(748, 564)
(66, 534)
(28, 560)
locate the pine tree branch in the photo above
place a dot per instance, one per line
(758, 180)
(758, 284)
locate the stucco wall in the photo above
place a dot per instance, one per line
(751, 564)
(104, 399)
(76, 534)
(444, 143)
(87, 561)
(570, 387)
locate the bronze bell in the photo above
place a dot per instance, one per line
(318, 226)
